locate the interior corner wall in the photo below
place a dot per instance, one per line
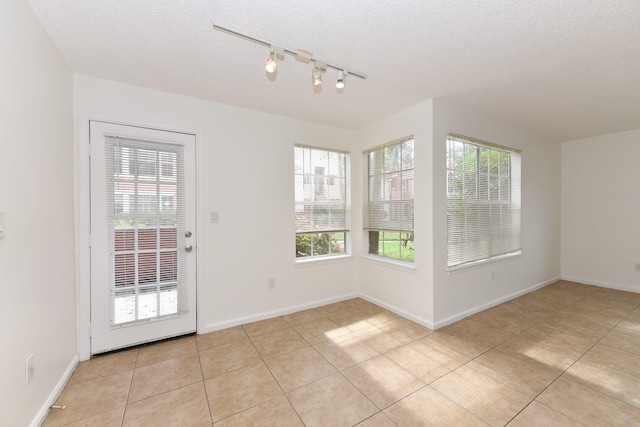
(467, 291)
(37, 255)
(246, 175)
(408, 291)
(600, 223)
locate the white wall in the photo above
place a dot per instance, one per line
(246, 172)
(465, 292)
(408, 291)
(37, 269)
(600, 210)
(247, 175)
(427, 293)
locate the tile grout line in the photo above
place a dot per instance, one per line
(609, 308)
(264, 362)
(571, 365)
(206, 393)
(338, 371)
(126, 404)
(536, 323)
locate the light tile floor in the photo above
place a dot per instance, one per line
(565, 355)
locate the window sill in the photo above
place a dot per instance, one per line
(388, 262)
(331, 259)
(484, 262)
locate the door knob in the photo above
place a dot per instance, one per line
(188, 248)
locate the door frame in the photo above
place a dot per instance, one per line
(82, 190)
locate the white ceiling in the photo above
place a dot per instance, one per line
(564, 69)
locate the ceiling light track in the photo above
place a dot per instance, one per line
(320, 65)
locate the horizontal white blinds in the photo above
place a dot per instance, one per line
(391, 185)
(483, 201)
(320, 190)
(146, 226)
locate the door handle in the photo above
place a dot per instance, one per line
(188, 248)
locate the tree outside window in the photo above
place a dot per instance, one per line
(321, 205)
(389, 212)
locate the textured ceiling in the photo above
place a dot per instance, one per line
(564, 69)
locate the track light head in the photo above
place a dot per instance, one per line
(272, 64)
(341, 78)
(316, 77)
(316, 74)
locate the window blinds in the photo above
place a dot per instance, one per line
(391, 182)
(146, 226)
(483, 200)
(320, 190)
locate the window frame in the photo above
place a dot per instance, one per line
(331, 182)
(482, 199)
(377, 217)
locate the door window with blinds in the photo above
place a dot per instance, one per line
(321, 203)
(483, 201)
(146, 226)
(389, 211)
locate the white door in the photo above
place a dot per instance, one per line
(143, 245)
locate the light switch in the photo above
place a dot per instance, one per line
(1, 225)
(215, 216)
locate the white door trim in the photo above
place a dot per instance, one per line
(82, 190)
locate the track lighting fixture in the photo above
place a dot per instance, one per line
(341, 77)
(272, 64)
(316, 77)
(316, 74)
(304, 56)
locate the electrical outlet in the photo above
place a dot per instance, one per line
(271, 283)
(637, 267)
(29, 369)
(493, 275)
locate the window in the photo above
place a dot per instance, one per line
(167, 202)
(483, 201)
(147, 203)
(118, 202)
(141, 192)
(389, 211)
(143, 233)
(167, 162)
(143, 163)
(321, 208)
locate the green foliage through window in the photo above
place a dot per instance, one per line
(389, 215)
(316, 244)
(483, 200)
(321, 203)
(392, 244)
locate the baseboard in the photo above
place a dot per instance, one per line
(420, 320)
(44, 411)
(275, 313)
(417, 319)
(459, 316)
(602, 284)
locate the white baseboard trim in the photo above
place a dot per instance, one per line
(419, 320)
(459, 316)
(271, 314)
(602, 284)
(44, 411)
